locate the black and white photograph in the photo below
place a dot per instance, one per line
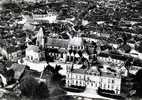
(70, 49)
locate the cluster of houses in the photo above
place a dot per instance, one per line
(74, 50)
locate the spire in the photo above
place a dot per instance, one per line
(40, 37)
(40, 33)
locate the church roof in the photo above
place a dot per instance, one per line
(62, 43)
(33, 48)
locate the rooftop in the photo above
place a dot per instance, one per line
(33, 48)
(18, 69)
(76, 41)
(79, 71)
(62, 43)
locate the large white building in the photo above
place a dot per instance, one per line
(33, 53)
(94, 79)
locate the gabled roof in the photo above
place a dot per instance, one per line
(76, 41)
(103, 55)
(61, 43)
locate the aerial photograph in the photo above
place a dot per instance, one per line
(70, 49)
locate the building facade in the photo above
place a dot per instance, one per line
(33, 53)
(111, 58)
(94, 79)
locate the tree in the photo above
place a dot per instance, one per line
(128, 64)
(138, 85)
(56, 75)
(30, 87)
(139, 47)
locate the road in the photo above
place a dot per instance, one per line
(89, 94)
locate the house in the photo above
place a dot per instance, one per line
(28, 26)
(35, 58)
(111, 58)
(33, 53)
(76, 78)
(57, 48)
(66, 49)
(110, 81)
(14, 53)
(18, 70)
(76, 43)
(76, 49)
(76, 56)
(94, 79)
(50, 17)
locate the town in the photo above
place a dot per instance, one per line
(70, 50)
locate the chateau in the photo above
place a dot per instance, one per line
(94, 79)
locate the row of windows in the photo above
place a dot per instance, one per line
(109, 87)
(110, 59)
(76, 83)
(109, 81)
(74, 47)
(78, 76)
(32, 58)
(92, 84)
(112, 81)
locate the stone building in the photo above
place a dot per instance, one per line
(94, 79)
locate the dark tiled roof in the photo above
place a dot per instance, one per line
(119, 57)
(114, 56)
(63, 43)
(103, 55)
(79, 71)
(54, 50)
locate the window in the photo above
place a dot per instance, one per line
(104, 86)
(76, 77)
(100, 85)
(76, 82)
(108, 86)
(117, 91)
(31, 57)
(80, 82)
(112, 81)
(79, 77)
(108, 80)
(112, 87)
(96, 85)
(101, 80)
(91, 83)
